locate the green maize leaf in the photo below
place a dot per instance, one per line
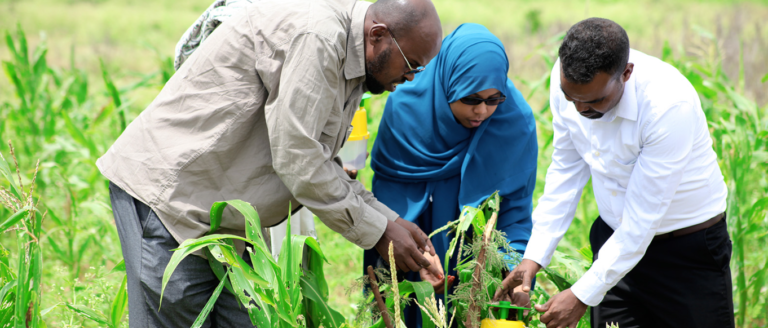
(110, 85)
(77, 134)
(285, 306)
(40, 65)
(6, 314)
(83, 247)
(666, 52)
(120, 303)
(187, 247)
(216, 266)
(329, 317)
(105, 113)
(291, 258)
(478, 223)
(264, 264)
(209, 305)
(424, 290)
(239, 284)
(120, 267)
(23, 50)
(47, 310)
(57, 249)
(6, 290)
(205, 240)
(15, 218)
(253, 224)
(12, 72)
(216, 210)
(63, 93)
(7, 173)
(238, 262)
(315, 269)
(764, 79)
(466, 218)
(90, 314)
(262, 316)
(11, 45)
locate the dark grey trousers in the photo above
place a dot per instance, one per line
(147, 246)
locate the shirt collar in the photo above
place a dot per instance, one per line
(627, 106)
(355, 65)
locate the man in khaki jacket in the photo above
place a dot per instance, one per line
(259, 113)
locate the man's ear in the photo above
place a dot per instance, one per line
(627, 72)
(377, 33)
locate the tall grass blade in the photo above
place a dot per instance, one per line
(209, 305)
(119, 303)
(90, 314)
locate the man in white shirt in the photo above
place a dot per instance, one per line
(635, 125)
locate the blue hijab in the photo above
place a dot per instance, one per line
(427, 164)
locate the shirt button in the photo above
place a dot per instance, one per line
(621, 219)
(613, 193)
(597, 153)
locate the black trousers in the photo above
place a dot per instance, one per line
(680, 282)
(147, 245)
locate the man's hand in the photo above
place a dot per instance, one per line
(522, 276)
(437, 283)
(563, 310)
(351, 173)
(421, 238)
(406, 250)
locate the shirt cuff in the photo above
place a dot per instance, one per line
(368, 229)
(539, 251)
(590, 290)
(383, 209)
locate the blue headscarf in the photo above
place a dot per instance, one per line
(423, 156)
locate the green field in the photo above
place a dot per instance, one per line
(65, 115)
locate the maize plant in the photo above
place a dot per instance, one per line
(20, 295)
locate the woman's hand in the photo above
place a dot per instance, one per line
(437, 283)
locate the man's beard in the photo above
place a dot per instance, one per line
(375, 67)
(592, 114)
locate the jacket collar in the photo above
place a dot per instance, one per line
(355, 64)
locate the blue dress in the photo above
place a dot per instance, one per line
(428, 166)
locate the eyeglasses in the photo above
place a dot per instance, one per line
(476, 101)
(411, 70)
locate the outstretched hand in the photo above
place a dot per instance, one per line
(407, 253)
(437, 283)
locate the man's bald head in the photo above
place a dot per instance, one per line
(416, 27)
(404, 16)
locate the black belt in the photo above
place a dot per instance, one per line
(691, 229)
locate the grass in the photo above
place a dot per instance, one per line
(79, 108)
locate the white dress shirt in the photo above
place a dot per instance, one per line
(652, 166)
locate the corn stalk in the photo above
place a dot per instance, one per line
(21, 287)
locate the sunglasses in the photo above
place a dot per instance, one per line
(411, 70)
(472, 101)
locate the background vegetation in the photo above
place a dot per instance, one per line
(90, 67)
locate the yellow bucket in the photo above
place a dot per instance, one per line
(501, 323)
(354, 152)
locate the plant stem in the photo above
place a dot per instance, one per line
(379, 299)
(477, 276)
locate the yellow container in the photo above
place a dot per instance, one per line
(501, 323)
(355, 150)
(359, 126)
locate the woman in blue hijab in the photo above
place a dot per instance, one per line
(454, 135)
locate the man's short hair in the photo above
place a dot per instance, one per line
(594, 45)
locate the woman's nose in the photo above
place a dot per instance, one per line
(481, 108)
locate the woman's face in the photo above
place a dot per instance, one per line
(471, 116)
